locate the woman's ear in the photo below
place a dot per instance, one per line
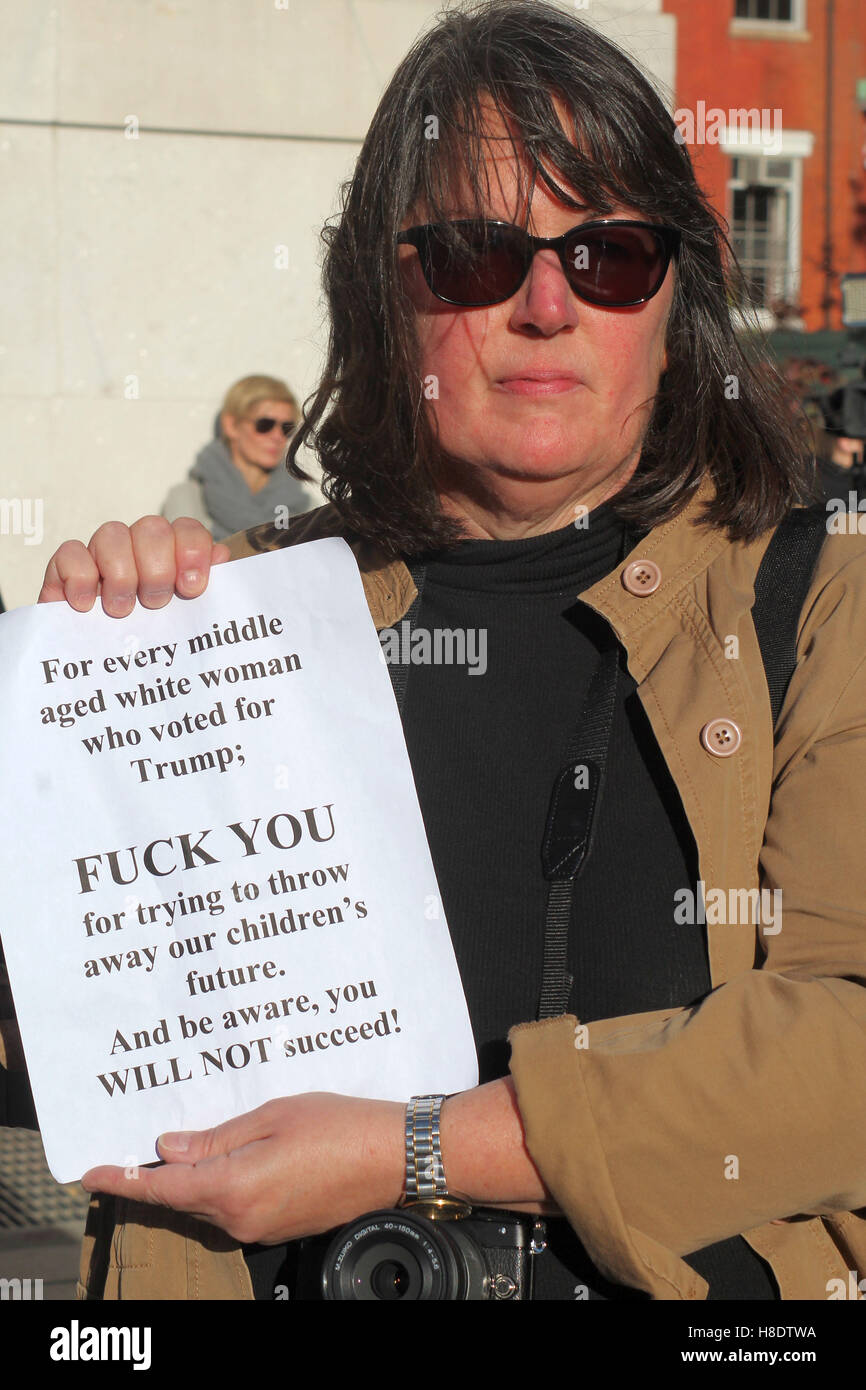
(228, 426)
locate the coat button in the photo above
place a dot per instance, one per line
(641, 577)
(721, 737)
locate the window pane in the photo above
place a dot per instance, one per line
(761, 204)
(779, 169)
(780, 11)
(759, 236)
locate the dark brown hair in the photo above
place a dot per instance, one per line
(367, 423)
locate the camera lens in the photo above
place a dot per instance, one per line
(390, 1280)
(393, 1255)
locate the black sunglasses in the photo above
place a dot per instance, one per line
(477, 263)
(265, 424)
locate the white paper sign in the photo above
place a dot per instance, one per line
(217, 886)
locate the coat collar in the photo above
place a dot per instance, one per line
(682, 549)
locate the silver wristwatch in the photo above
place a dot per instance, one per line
(425, 1184)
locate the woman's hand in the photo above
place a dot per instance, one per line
(846, 452)
(298, 1166)
(151, 560)
(294, 1167)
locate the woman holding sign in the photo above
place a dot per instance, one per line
(535, 399)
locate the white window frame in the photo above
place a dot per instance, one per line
(796, 145)
(793, 28)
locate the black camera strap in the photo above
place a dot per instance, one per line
(573, 812)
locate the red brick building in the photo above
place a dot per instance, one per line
(771, 99)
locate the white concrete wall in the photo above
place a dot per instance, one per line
(138, 275)
(640, 28)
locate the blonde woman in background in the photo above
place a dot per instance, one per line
(236, 480)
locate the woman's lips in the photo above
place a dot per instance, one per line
(539, 383)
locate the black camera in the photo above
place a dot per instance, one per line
(393, 1255)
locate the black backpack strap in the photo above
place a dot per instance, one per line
(781, 585)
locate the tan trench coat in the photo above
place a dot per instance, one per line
(635, 1132)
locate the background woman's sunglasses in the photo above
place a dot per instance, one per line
(265, 424)
(477, 263)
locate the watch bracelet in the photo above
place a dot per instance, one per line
(425, 1174)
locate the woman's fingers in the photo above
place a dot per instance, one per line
(195, 552)
(111, 548)
(72, 575)
(153, 548)
(294, 1167)
(150, 560)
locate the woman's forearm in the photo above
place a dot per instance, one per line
(484, 1150)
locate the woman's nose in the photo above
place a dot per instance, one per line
(545, 301)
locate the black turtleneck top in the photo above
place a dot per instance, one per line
(486, 749)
